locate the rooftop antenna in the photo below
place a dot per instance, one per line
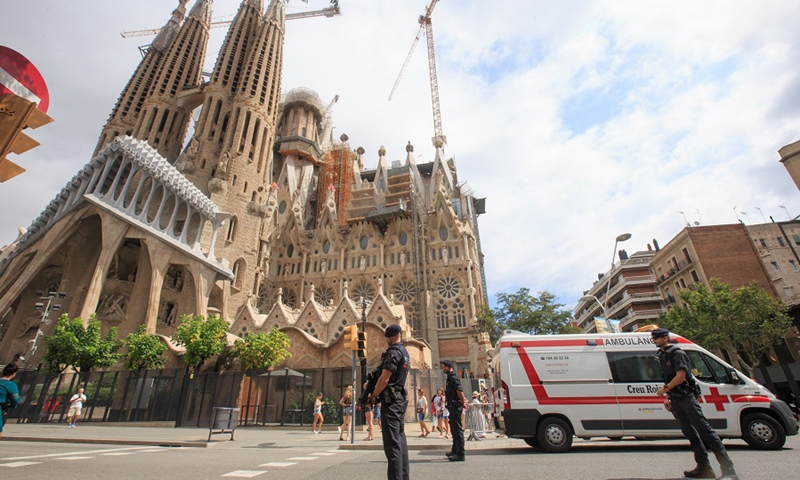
(746, 215)
(762, 214)
(684, 219)
(737, 215)
(699, 220)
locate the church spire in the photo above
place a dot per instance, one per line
(125, 114)
(163, 122)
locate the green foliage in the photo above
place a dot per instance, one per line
(202, 338)
(260, 351)
(145, 351)
(331, 410)
(83, 348)
(746, 322)
(488, 324)
(538, 315)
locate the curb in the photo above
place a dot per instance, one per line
(108, 441)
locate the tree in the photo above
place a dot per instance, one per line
(488, 324)
(201, 338)
(260, 351)
(538, 315)
(81, 347)
(746, 322)
(145, 351)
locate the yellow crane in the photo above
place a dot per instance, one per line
(427, 26)
(326, 12)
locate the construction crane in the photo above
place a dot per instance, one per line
(326, 12)
(425, 25)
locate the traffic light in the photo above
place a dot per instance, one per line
(16, 113)
(351, 337)
(362, 344)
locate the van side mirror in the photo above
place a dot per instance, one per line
(735, 379)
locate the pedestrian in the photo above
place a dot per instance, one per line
(422, 405)
(346, 403)
(369, 415)
(438, 405)
(376, 415)
(445, 421)
(9, 392)
(455, 402)
(681, 391)
(75, 406)
(476, 415)
(318, 403)
(390, 391)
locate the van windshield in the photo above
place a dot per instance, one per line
(707, 369)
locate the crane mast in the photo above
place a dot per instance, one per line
(427, 26)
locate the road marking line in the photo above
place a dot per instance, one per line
(18, 464)
(278, 464)
(323, 454)
(245, 473)
(74, 458)
(335, 451)
(153, 450)
(302, 458)
(117, 454)
(67, 454)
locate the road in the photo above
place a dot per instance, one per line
(291, 458)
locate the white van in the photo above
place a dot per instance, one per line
(551, 388)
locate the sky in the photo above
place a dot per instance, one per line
(577, 120)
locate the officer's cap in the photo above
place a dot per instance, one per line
(660, 332)
(393, 330)
(448, 363)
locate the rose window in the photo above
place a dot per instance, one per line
(324, 295)
(363, 290)
(448, 287)
(404, 291)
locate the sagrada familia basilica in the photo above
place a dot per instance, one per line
(260, 217)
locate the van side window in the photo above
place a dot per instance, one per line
(707, 369)
(634, 367)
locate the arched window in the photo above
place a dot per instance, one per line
(239, 269)
(231, 230)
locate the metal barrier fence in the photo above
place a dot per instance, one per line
(479, 420)
(282, 396)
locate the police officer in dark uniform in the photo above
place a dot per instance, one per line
(679, 386)
(455, 402)
(390, 391)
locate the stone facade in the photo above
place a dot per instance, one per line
(264, 218)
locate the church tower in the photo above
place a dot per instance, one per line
(165, 113)
(229, 157)
(125, 115)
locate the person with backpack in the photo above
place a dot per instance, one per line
(681, 390)
(9, 392)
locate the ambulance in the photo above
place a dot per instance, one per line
(549, 388)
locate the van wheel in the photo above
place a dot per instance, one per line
(554, 435)
(762, 432)
(532, 442)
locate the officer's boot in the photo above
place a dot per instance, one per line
(701, 471)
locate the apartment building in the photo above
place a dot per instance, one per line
(633, 298)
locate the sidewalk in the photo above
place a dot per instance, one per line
(244, 437)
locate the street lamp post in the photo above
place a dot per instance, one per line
(46, 308)
(592, 298)
(622, 237)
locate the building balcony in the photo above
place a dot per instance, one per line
(672, 271)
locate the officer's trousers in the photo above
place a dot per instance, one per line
(457, 431)
(394, 439)
(686, 409)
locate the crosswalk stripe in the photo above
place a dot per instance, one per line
(66, 454)
(245, 473)
(324, 454)
(117, 454)
(302, 458)
(18, 464)
(278, 464)
(73, 458)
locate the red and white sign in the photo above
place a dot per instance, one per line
(20, 77)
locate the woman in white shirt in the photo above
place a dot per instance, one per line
(422, 406)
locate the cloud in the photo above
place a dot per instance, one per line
(577, 120)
